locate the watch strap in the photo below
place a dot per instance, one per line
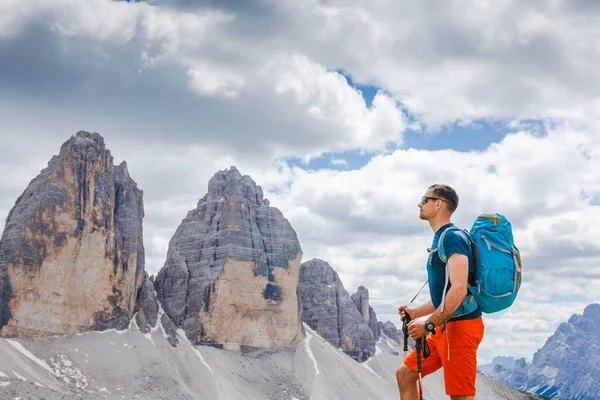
(428, 323)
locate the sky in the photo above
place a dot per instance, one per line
(344, 112)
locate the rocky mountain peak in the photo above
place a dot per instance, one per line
(331, 312)
(591, 315)
(83, 140)
(230, 183)
(86, 147)
(232, 269)
(72, 255)
(567, 366)
(361, 299)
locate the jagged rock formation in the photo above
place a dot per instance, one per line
(391, 331)
(500, 369)
(361, 299)
(499, 362)
(508, 371)
(567, 366)
(146, 308)
(518, 378)
(328, 309)
(232, 269)
(72, 255)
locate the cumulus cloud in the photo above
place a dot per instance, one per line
(300, 106)
(326, 96)
(207, 80)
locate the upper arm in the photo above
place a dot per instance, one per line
(458, 270)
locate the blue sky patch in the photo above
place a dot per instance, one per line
(595, 200)
(368, 91)
(460, 136)
(342, 161)
(475, 136)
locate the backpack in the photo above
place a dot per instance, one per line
(498, 266)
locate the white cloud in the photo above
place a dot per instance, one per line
(208, 80)
(100, 20)
(274, 88)
(13, 18)
(326, 96)
(338, 161)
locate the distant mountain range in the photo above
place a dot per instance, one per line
(566, 367)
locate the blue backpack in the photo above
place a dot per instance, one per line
(497, 275)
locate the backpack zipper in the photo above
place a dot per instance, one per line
(496, 219)
(492, 246)
(513, 253)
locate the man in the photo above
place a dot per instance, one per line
(457, 322)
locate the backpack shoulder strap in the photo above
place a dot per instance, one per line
(463, 234)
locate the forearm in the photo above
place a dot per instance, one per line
(454, 297)
(424, 309)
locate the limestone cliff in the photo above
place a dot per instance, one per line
(329, 310)
(72, 255)
(232, 269)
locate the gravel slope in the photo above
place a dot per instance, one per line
(129, 365)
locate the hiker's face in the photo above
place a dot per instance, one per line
(428, 207)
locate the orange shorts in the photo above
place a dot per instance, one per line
(460, 370)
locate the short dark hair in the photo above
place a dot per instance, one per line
(447, 193)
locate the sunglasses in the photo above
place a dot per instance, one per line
(424, 199)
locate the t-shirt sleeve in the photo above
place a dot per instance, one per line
(454, 242)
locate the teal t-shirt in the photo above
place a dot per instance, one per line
(436, 269)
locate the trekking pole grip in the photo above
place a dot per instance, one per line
(405, 322)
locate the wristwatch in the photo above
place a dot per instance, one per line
(430, 326)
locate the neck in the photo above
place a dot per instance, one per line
(437, 223)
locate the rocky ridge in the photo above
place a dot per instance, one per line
(567, 366)
(391, 331)
(330, 311)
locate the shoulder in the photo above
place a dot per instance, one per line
(455, 238)
(454, 235)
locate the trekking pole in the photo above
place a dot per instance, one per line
(419, 367)
(405, 322)
(418, 346)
